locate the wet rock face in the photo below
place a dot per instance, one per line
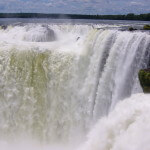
(4, 27)
(132, 29)
(144, 77)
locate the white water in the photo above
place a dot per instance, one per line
(126, 127)
(58, 80)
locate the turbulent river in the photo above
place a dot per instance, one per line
(60, 81)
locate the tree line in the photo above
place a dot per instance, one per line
(131, 16)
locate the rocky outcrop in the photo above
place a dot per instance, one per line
(144, 77)
(4, 27)
(132, 29)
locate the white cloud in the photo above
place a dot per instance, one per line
(136, 3)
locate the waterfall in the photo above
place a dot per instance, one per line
(58, 80)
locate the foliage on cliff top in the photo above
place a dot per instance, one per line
(146, 27)
(144, 77)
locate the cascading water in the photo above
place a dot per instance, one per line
(126, 128)
(58, 80)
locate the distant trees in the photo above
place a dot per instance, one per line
(130, 16)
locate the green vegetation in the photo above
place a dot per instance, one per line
(146, 27)
(131, 16)
(144, 77)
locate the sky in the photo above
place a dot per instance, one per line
(76, 6)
